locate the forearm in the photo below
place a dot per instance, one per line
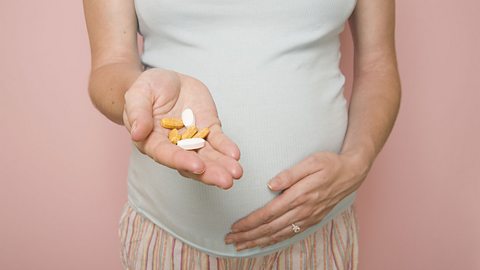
(108, 85)
(373, 109)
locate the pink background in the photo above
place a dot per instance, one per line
(63, 165)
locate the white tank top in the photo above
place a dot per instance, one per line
(272, 67)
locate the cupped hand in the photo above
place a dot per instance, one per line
(310, 189)
(161, 93)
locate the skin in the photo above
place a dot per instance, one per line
(311, 188)
(126, 94)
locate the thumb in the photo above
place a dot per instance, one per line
(290, 176)
(283, 180)
(138, 109)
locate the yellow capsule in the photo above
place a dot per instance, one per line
(191, 130)
(174, 136)
(171, 123)
(202, 133)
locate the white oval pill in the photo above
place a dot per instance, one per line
(188, 118)
(191, 143)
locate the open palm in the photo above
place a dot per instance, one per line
(160, 93)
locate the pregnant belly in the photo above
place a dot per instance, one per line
(275, 125)
(203, 214)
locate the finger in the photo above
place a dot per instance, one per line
(288, 232)
(290, 176)
(302, 221)
(138, 107)
(283, 234)
(229, 163)
(267, 229)
(272, 210)
(222, 143)
(213, 175)
(170, 155)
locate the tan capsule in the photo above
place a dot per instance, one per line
(171, 123)
(202, 133)
(191, 130)
(178, 138)
(174, 136)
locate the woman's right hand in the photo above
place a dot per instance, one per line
(160, 93)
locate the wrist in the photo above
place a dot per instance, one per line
(359, 160)
(107, 86)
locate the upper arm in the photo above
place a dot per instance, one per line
(372, 24)
(112, 30)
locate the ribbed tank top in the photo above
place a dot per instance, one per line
(272, 67)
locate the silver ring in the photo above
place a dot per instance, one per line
(295, 228)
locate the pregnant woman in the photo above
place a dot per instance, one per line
(274, 185)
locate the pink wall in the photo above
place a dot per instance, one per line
(63, 165)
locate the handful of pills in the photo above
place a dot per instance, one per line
(191, 138)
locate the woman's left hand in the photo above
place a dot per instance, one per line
(310, 189)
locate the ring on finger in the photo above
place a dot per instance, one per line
(295, 228)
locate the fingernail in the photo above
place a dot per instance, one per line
(199, 171)
(240, 247)
(271, 185)
(134, 126)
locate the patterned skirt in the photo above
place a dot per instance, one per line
(146, 246)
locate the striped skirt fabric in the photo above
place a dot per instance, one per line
(145, 246)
